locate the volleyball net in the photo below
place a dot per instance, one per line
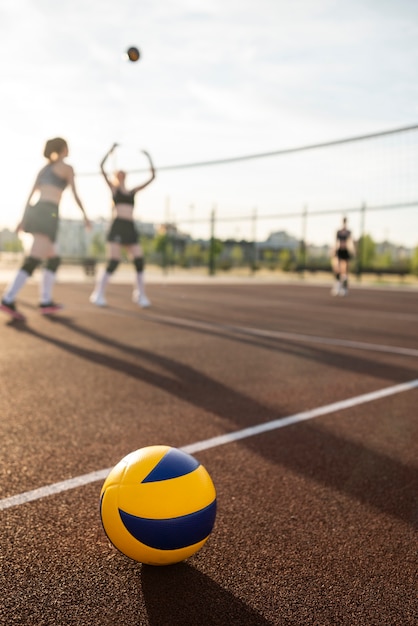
(300, 192)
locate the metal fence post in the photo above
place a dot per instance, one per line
(360, 262)
(302, 248)
(212, 243)
(254, 259)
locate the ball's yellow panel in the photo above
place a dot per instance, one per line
(138, 463)
(169, 498)
(158, 505)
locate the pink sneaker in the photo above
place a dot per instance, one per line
(49, 308)
(10, 309)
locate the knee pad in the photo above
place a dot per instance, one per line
(111, 266)
(139, 264)
(53, 263)
(30, 264)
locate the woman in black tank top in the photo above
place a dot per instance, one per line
(123, 233)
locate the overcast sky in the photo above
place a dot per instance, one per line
(216, 79)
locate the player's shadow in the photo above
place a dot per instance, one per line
(365, 475)
(179, 379)
(179, 595)
(331, 356)
(359, 364)
(363, 465)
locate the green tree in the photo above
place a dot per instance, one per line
(414, 262)
(213, 252)
(97, 248)
(161, 242)
(366, 251)
(164, 246)
(193, 255)
(14, 245)
(384, 261)
(237, 255)
(285, 259)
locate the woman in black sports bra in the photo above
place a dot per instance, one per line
(41, 220)
(343, 252)
(123, 233)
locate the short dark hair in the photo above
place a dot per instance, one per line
(54, 146)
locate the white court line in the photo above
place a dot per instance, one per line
(346, 343)
(206, 444)
(273, 334)
(257, 332)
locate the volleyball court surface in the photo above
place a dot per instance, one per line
(301, 406)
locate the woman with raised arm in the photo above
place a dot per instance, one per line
(41, 219)
(123, 232)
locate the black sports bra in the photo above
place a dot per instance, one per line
(119, 197)
(343, 234)
(47, 176)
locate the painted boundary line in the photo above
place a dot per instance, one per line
(346, 343)
(270, 334)
(275, 334)
(85, 479)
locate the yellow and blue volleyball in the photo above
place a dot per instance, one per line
(158, 505)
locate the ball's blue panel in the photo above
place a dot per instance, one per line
(173, 464)
(174, 533)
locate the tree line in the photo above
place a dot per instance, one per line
(167, 249)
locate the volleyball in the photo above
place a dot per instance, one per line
(158, 505)
(133, 54)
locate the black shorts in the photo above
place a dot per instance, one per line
(343, 254)
(42, 219)
(123, 232)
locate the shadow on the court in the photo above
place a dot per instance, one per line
(179, 595)
(330, 357)
(365, 475)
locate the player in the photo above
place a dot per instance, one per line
(41, 220)
(123, 233)
(344, 250)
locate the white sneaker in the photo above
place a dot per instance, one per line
(98, 299)
(336, 290)
(140, 299)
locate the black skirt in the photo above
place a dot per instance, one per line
(343, 254)
(42, 218)
(123, 232)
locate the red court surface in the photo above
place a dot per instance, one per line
(317, 505)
